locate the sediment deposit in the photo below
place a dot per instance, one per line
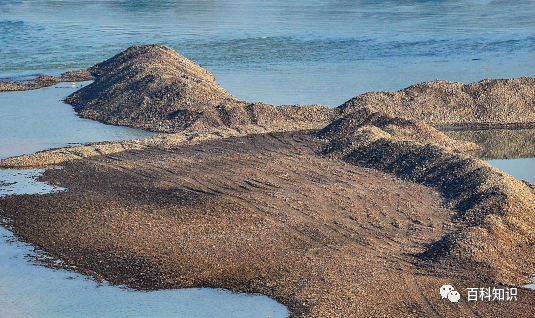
(354, 212)
(447, 105)
(495, 211)
(45, 81)
(265, 213)
(152, 87)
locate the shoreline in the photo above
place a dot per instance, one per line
(42, 81)
(484, 126)
(323, 210)
(158, 218)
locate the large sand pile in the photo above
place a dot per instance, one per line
(445, 104)
(496, 212)
(268, 213)
(154, 88)
(357, 127)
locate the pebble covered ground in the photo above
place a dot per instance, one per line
(360, 211)
(265, 213)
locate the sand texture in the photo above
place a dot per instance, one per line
(446, 105)
(361, 211)
(271, 214)
(154, 88)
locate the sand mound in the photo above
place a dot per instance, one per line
(442, 103)
(154, 88)
(365, 125)
(496, 211)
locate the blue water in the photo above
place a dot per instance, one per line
(279, 52)
(31, 121)
(282, 52)
(24, 182)
(521, 168)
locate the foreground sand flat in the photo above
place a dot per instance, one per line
(365, 210)
(262, 213)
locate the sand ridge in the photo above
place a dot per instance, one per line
(326, 211)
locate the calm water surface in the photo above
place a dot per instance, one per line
(522, 168)
(510, 150)
(279, 52)
(31, 121)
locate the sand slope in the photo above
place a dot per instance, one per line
(365, 215)
(447, 104)
(154, 88)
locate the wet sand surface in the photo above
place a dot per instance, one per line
(261, 213)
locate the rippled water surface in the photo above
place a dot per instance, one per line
(279, 52)
(283, 52)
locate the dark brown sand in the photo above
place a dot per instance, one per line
(262, 213)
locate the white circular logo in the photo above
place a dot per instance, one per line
(447, 291)
(454, 296)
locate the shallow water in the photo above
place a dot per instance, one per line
(34, 120)
(510, 150)
(499, 143)
(282, 52)
(24, 182)
(523, 169)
